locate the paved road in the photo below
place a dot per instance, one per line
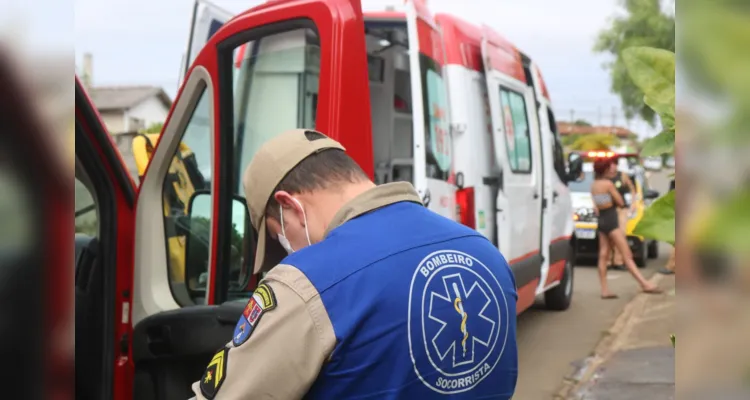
(551, 345)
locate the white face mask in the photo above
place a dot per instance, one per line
(282, 236)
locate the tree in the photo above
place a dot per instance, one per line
(153, 128)
(581, 122)
(644, 24)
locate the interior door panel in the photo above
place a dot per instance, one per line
(171, 349)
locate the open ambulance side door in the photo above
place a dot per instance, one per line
(432, 144)
(104, 216)
(305, 67)
(517, 148)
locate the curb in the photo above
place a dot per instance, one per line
(608, 345)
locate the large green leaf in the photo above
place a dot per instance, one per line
(658, 220)
(659, 144)
(729, 227)
(653, 71)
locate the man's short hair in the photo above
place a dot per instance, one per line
(319, 171)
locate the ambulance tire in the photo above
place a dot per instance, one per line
(559, 297)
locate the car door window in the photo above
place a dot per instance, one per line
(186, 230)
(517, 131)
(86, 218)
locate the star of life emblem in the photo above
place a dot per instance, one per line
(458, 321)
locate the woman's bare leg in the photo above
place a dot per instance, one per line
(602, 263)
(618, 239)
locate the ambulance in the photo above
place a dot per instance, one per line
(433, 100)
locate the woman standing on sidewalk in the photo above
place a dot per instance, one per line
(606, 200)
(624, 186)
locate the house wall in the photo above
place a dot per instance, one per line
(148, 112)
(124, 143)
(114, 121)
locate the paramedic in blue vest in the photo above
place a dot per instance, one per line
(368, 293)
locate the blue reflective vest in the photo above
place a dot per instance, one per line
(422, 307)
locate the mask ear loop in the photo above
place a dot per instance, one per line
(304, 216)
(281, 217)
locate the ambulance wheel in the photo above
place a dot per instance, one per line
(559, 297)
(653, 249)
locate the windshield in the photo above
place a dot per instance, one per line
(583, 186)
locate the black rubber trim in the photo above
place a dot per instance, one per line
(227, 172)
(558, 251)
(526, 270)
(105, 193)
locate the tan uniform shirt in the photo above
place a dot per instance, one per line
(292, 340)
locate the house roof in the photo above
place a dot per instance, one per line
(566, 128)
(113, 98)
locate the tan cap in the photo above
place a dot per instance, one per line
(269, 166)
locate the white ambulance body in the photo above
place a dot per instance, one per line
(510, 171)
(479, 142)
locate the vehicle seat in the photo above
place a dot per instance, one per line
(89, 332)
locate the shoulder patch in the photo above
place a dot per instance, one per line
(215, 374)
(263, 300)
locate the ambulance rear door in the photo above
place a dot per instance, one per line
(432, 145)
(517, 150)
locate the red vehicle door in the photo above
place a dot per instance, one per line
(433, 147)
(304, 66)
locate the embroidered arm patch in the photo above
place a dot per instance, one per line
(215, 374)
(263, 300)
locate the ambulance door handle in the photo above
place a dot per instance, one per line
(426, 198)
(555, 195)
(536, 195)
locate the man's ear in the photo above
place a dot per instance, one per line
(284, 198)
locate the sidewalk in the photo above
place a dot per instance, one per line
(635, 358)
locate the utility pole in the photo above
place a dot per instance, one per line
(572, 115)
(599, 116)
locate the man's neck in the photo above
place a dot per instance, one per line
(329, 202)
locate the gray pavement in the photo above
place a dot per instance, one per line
(554, 346)
(638, 363)
(557, 348)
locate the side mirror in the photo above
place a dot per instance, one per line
(197, 243)
(651, 194)
(575, 168)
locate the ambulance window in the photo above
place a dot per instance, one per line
(275, 89)
(517, 133)
(437, 132)
(187, 198)
(557, 148)
(275, 86)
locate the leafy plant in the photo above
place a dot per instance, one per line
(156, 127)
(653, 72)
(643, 23)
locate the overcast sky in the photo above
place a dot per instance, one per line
(142, 42)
